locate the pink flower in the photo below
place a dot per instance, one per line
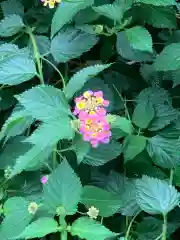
(91, 103)
(95, 129)
(44, 179)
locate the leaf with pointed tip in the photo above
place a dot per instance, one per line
(63, 189)
(156, 196)
(89, 229)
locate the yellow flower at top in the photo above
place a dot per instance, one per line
(50, 3)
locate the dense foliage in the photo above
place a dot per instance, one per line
(90, 119)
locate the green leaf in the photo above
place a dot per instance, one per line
(16, 70)
(65, 13)
(120, 123)
(78, 80)
(12, 150)
(157, 2)
(151, 228)
(54, 130)
(143, 114)
(164, 115)
(133, 145)
(103, 154)
(10, 7)
(155, 196)
(11, 25)
(107, 203)
(17, 123)
(169, 58)
(177, 176)
(112, 11)
(125, 189)
(63, 190)
(65, 45)
(157, 16)
(89, 229)
(16, 206)
(139, 38)
(163, 151)
(125, 49)
(44, 102)
(31, 158)
(40, 228)
(44, 139)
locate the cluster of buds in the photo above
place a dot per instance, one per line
(50, 3)
(90, 109)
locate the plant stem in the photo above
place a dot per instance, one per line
(36, 55)
(171, 178)
(57, 70)
(124, 102)
(63, 223)
(54, 156)
(164, 227)
(130, 225)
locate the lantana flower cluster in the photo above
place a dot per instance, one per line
(91, 111)
(50, 3)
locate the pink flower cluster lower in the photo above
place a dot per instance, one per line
(90, 109)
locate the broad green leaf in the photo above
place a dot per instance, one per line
(44, 139)
(39, 228)
(16, 70)
(125, 189)
(106, 202)
(177, 176)
(65, 45)
(143, 114)
(151, 228)
(17, 123)
(54, 131)
(10, 7)
(169, 58)
(120, 123)
(133, 145)
(155, 196)
(157, 16)
(63, 190)
(112, 11)
(157, 2)
(89, 229)
(163, 151)
(126, 51)
(32, 157)
(139, 38)
(65, 13)
(44, 102)
(11, 25)
(16, 219)
(103, 154)
(171, 131)
(154, 95)
(164, 115)
(8, 51)
(126, 4)
(12, 150)
(78, 80)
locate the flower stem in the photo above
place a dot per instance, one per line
(64, 233)
(36, 55)
(55, 68)
(130, 225)
(164, 227)
(171, 178)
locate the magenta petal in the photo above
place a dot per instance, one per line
(94, 143)
(98, 94)
(106, 103)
